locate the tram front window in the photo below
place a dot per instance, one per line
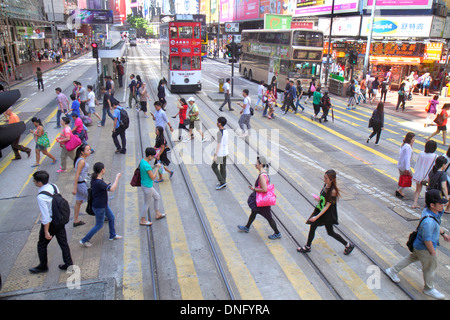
(196, 63)
(185, 32)
(173, 33)
(186, 63)
(175, 63)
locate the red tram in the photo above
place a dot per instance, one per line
(180, 53)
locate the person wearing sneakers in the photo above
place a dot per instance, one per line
(260, 186)
(425, 244)
(325, 214)
(220, 156)
(194, 120)
(100, 204)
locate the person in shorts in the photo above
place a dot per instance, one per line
(92, 102)
(194, 120)
(442, 127)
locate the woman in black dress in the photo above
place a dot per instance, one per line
(325, 214)
(161, 153)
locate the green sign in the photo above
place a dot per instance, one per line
(277, 21)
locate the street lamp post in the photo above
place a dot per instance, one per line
(329, 46)
(369, 40)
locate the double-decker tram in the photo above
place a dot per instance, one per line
(181, 51)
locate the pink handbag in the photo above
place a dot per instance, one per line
(266, 199)
(73, 143)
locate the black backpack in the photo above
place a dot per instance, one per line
(124, 119)
(349, 91)
(60, 208)
(435, 182)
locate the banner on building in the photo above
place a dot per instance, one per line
(322, 7)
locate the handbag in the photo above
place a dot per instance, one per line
(266, 199)
(405, 181)
(43, 140)
(136, 179)
(251, 201)
(439, 119)
(73, 143)
(89, 210)
(425, 181)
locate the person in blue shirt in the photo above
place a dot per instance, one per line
(118, 131)
(75, 108)
(425, 243)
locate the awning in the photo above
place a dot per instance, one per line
(394, 60)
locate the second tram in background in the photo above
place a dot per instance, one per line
(181, 52)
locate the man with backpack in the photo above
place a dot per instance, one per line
(121, 123)
(351, 95)
(425, 243)
(55, 213)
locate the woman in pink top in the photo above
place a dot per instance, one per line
(62, 139)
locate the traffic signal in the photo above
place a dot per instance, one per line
(229, 52)
(94, 50)
(353, 57)
(9, 132)
(237, 50)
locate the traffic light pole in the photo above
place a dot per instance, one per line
(369, 40)
(232, 67)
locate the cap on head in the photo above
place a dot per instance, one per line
(435, 196)
(191, 99)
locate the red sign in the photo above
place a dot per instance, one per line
(302, 25)
(37, 31)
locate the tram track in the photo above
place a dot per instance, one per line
(192, 194)
(291, 233)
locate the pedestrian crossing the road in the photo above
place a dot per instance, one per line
(254, 267)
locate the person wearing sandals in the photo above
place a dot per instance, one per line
(161, 155)
(325, 214)
(39, 132)
(80, 189)
(147, 178)
(100, 204)
(261, 186)
(404, 161)
(424, 164)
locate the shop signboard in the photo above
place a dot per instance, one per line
(399, 4)
(342, 26)
(87, 16)
(398, 26)
(433, 52)
(227, 12)
(273, 7)
(323, 7)
(247, 10)
(277, 21)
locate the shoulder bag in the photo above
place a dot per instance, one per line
(266, 199)
(413, 235)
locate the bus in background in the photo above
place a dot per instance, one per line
(204, 42)
(180, 53)
(291, 53)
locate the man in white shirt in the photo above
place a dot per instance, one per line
(220, 156)
(261, 90)
(160, 116)
(244, 120)
(92, 102)
(226, 91)
(48, 230)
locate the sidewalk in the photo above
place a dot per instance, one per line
(45, 65)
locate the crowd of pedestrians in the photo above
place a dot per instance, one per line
(73, 118)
